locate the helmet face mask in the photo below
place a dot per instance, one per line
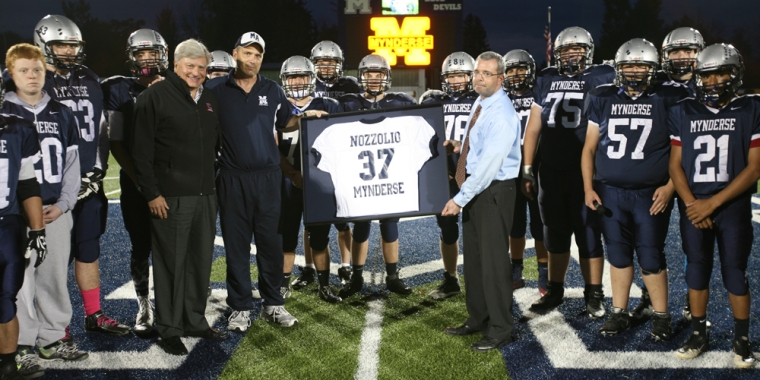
(635, 64)
(374, 75)
(718, 74)
(327, 57)
(679, 51)
(61, 41)
(298, 77)
(147, 53)
(456, 74)
(573, 50)
(519, 71)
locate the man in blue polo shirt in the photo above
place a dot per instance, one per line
(248, 184)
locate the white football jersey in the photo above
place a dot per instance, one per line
(374, 166)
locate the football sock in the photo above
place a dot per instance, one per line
(91, 300)
(699, 325)
(591, 288)
(391, 268)
(324, 277)
(517, 262)
(7, 359)
(358, 271)
(285, 279)
(741, 328)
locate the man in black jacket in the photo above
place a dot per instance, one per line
(175, 145)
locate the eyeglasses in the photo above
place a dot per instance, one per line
(484, 74)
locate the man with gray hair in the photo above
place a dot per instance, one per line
(175, 146)
(486, 171)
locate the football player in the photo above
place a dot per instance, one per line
(220, 65)
(327, 57)
(715, 165)
(625, 171)
(298, 76)
(558, 119)
(147, 54)
(44, 306)
(520, 76)
(457, 98)
(679, 51)
(19, 148)
(76, 86)
(375, 81)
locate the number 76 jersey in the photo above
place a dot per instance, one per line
(374, 164)
(715, 143)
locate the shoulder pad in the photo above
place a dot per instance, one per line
(348, 80)
(603, 89)
(115, 79)
(547, 71)
(432, 95)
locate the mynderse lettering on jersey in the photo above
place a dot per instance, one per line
(371, 159)
(567, 85)
(632, 109)
(71, 91)
(713, 125)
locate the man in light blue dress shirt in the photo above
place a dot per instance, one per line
(486, 172)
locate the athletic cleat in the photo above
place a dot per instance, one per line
(448, 288)
(644, 309)
(28, 363)
(10, 373)
(352, 287)
(308, 275)
(518, 282)
(543, 281)
(144, 319)
(255, 293)
(67, 338)
(278, 315)
(344, 273)
(618, 322)
(695, 346)
(743, 356)
(661, 330)
(552, 299)
(285, 291)
(239, 321)
(595, 304)
(60, 351)
(395, 284)
(327, 295)
(99, 322)
(687, 309)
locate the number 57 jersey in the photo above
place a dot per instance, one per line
(715, 142)
(374, 163)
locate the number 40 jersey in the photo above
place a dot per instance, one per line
(715, 142)
(374, 163)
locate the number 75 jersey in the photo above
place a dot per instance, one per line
(715, 143)
(563, 123)
(374, 164)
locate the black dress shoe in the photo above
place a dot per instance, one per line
(173, 345)
(487, 344)
(208, 334)
(462, 330)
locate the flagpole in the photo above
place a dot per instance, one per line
(549, 25)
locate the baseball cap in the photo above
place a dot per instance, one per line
(250, 38)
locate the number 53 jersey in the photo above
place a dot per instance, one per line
(374, 163)
(715, 142)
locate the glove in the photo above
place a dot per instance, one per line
(91, 183)
(36, 245)
(527, 173)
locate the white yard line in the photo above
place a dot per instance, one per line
(370, 342)
(113, 192)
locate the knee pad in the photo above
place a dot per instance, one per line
(319, 237)
(449, 229)
(652, 265)
(342, 227)
(361, 231)
(735, 281)
(620, 261)
(389, 230)
(698, 276)
(648, 273)
(87, 251)
(7, 308)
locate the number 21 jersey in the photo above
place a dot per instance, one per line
(374, 164)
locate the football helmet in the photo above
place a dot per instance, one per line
(221, 61)
(573, 36)
(718, 58)
(637, 51)
(55, 28)
(147, 39)
(519, 58)
(298, 66)
(457, 63)
(374, 63)
(328, 50)
(681, 38)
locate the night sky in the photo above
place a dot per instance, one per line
(510, 24)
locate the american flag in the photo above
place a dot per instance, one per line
(548, 38)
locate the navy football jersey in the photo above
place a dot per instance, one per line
(58, 135)
(563, 123)
(522, 103)
(690, 85)
(344, 85)
(357, 102)
(18, 147)
(715, 143)
(290, 142)
(81, 92)
(456, 110)
(634, 142)
(120, 94)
